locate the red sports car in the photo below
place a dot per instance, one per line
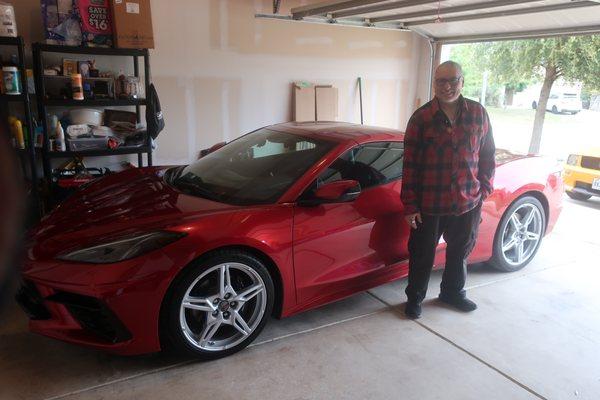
(281, 220)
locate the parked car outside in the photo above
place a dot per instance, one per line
(562, 102)
(581, 175)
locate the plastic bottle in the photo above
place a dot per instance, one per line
(60, 138)
(18, 130)
(12, 80)
(76, 87)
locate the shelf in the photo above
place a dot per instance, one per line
(10, 41)
(94, 102)
(12, 97)
(101, 51)
(99, 153)
(85, 78)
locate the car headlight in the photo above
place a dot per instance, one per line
(573, 159)
(123, 248)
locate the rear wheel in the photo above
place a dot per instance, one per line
(219, 306)
(519, 234)
(534, 105)
(554, 110)
(578, 196)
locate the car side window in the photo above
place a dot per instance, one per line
(370, 164)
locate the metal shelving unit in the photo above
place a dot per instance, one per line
(39, 49)
(28, 154)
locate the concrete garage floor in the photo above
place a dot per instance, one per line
(536, 335)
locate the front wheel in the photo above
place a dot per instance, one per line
(519, 234)
(534, 105)
(578, 196)
(219, 306)
(554, 110)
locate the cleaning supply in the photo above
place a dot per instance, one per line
(11, 79)
(17, 129)
(60, 138)
(77, 87)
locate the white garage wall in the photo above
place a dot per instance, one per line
(220, 72)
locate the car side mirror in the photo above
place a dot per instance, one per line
(334, 192)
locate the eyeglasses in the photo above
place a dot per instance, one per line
(452, 81)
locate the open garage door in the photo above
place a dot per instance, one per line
(458, 21)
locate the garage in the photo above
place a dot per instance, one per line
(208, 263)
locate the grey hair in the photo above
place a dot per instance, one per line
(451, 64)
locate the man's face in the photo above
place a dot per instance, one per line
(447, 83)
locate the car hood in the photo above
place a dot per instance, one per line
(136, 200)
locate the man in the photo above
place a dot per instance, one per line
(448, 169)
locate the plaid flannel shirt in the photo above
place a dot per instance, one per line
(448, 169)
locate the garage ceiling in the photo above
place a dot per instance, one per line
(458, 21)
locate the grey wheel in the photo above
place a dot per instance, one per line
(519, 234)
(219, 307)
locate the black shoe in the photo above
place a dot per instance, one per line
(460, 303)
(412, 309)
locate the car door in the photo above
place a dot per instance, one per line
(339, 247)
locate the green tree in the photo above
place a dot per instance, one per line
(575, 58)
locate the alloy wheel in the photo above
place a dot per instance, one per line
(222, 307)
(522, 234)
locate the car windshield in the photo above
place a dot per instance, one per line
(255, 169)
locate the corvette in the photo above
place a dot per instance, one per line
(279, 221)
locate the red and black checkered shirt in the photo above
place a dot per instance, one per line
(448, 169)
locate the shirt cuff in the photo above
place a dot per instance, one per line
(410, 209)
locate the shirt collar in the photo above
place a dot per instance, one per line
(462, 104)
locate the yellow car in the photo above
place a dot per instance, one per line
(582, 175)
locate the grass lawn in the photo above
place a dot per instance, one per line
(563, 133)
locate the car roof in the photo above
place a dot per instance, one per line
(342, 132)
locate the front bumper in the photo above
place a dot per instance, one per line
(121, 316)
(584, 188)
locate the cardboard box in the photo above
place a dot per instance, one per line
(326, 102)
(304, 102)
(132, 24)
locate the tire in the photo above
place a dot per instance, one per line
(554, 110)
(526, 240)
(574, 112)
(534, 105)
(578, 196)
(209, 326)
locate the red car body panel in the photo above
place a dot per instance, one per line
(317, 254)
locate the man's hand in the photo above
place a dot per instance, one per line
(411, 219)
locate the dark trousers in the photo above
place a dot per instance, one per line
(460, 233)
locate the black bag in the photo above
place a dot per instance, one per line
(154, 115)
